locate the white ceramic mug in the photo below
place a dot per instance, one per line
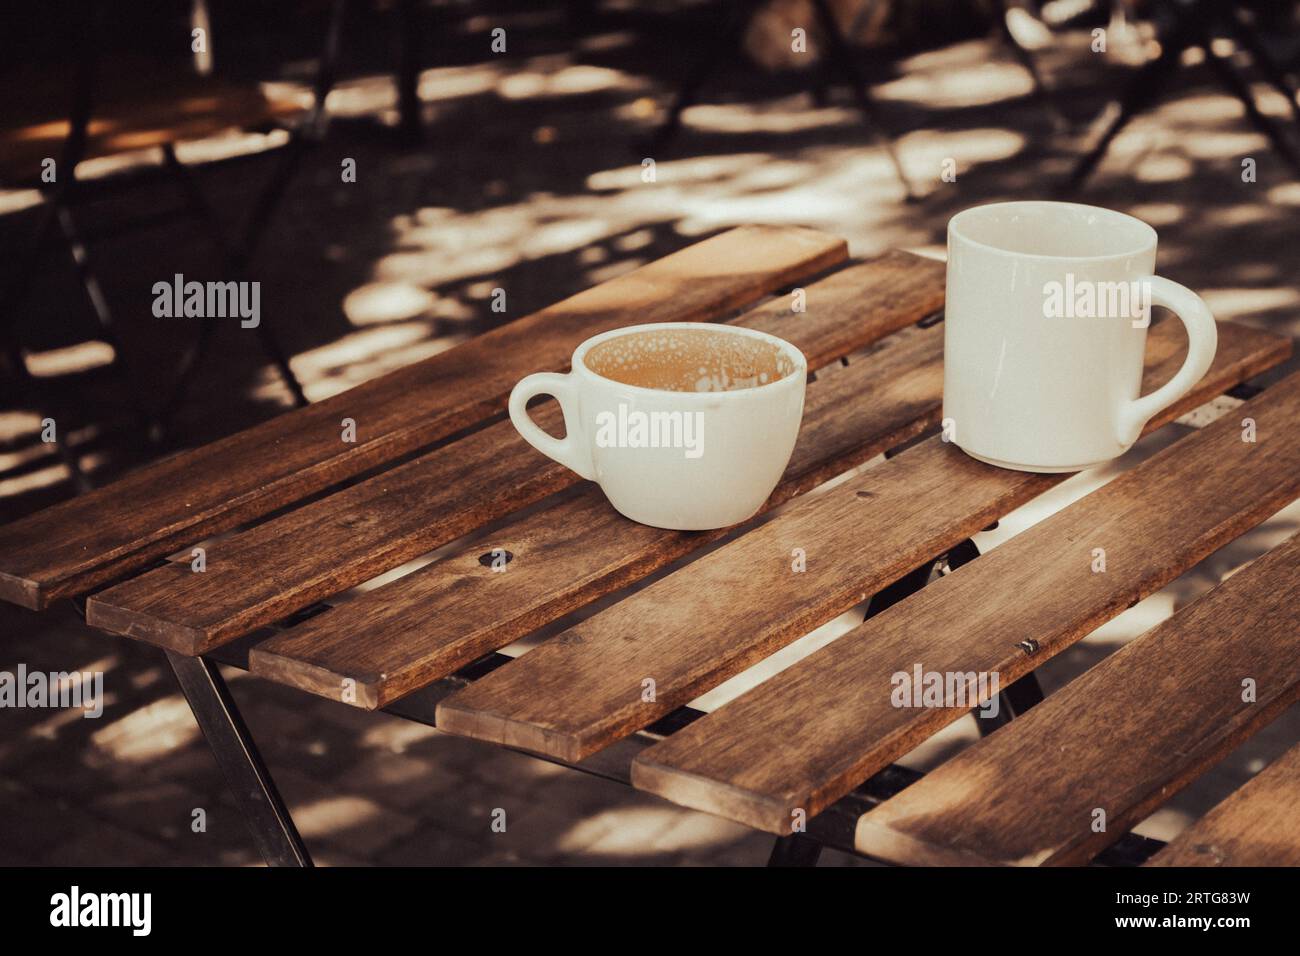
(684, 425)
(1045, 331)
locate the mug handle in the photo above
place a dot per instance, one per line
(1202, 339)
(570, 451)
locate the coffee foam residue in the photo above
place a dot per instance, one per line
(689, 360)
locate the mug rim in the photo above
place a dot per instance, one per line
(798, 374)
(972, 212)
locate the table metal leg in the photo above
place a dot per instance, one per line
(218, 717)
(1021, 695)
(903, 588)
(1012, 702)
(798, 849)
(795, 850)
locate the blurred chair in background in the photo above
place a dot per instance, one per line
(118, 105)
(1204, 26)
(836, 59)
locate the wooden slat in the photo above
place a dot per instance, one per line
(1123, 738)
(1259, 825)
(695, 628)
(266, 572)
(814, 731)
(424, 626)
(71, 547)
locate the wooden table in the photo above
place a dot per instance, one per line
(289, 516)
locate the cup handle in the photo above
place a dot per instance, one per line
(571, 451)
(1202, 339)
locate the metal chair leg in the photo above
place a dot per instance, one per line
(735, 19)
(239, 254)
(237, 258)
(14, 294)
(254, 229)
(1141, 92)
(271, 347)
(326, 71)
(62, 447)
(1030, 65)
(313, 129)
(1248, 37)
(56, 212)
(218, 717)
(408, 73)
(1238, 88)
(1193, 29)
(188, 367)
(99, 304)
(841, 56)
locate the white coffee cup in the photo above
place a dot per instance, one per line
(1035, 378)
(684, 425)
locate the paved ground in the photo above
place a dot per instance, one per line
(530, 181)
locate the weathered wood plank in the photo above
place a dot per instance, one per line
(71, 547)
(1259, 825)
(1120, 740)
(814, 731)
(266, 572)
(695, 628)
(424, 626)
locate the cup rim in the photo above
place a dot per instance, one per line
(799, 373)
(973, 212)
